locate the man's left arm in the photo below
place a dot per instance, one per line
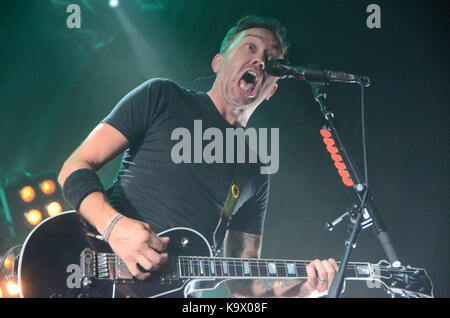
(245, 245)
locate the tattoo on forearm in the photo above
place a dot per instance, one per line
(265, 284)
(286, 283)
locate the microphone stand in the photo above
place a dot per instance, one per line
(366, 209)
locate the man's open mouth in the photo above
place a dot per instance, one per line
(248, 83)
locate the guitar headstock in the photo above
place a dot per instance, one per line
(404, 281)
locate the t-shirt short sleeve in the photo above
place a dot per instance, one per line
(137, 110)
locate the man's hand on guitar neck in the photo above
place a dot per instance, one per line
(320, 276)
(320, 273)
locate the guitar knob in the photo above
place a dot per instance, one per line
(184, 242)
(87, 282)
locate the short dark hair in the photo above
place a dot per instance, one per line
(253, 21)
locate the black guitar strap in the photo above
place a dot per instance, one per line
(234, 191)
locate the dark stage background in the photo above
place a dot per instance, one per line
(57, 83)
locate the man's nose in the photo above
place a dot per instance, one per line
(260, 63)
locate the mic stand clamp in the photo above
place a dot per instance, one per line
(352, 213)
(353, 228)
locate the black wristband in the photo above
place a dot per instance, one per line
(79, 184)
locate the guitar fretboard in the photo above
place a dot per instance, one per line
(208, 267)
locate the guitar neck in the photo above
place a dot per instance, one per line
(239, 268)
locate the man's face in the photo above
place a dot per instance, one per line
(241, 74)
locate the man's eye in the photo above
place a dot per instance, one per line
(251, 47)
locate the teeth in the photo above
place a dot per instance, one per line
(246, 88)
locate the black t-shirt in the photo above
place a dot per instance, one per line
(152, 188)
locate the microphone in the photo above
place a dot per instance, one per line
(312, 75)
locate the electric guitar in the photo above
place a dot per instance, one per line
(60, 258)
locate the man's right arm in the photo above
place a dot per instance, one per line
(133, 241)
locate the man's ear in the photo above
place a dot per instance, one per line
(217, 62)
(272, 92)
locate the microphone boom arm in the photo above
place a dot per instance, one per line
(313, 75)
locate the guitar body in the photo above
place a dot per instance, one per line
(49, 264)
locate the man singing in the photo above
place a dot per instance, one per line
(152, 193)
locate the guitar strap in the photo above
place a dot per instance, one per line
(234, 191)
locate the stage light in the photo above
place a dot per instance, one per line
(152, 4)
(1, 292)
(113, 3)
(27, 194)
(8, 262)
(54, 208)
(48, 187)
(33, 217)
(27, 200)
(12, 288)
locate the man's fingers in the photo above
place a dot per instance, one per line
(311, 273)
(158, 243)
(145, 264)
(156, 258)
(136, 272)
(330, 272)
(334, 264)
(322, 275)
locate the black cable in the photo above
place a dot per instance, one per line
(364, 144)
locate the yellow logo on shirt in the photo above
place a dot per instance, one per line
(235, 191)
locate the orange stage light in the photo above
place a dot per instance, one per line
(54, 208)
(33, 216)
(48, 187)
(12, 288)
(27, 194)
(8, 262)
